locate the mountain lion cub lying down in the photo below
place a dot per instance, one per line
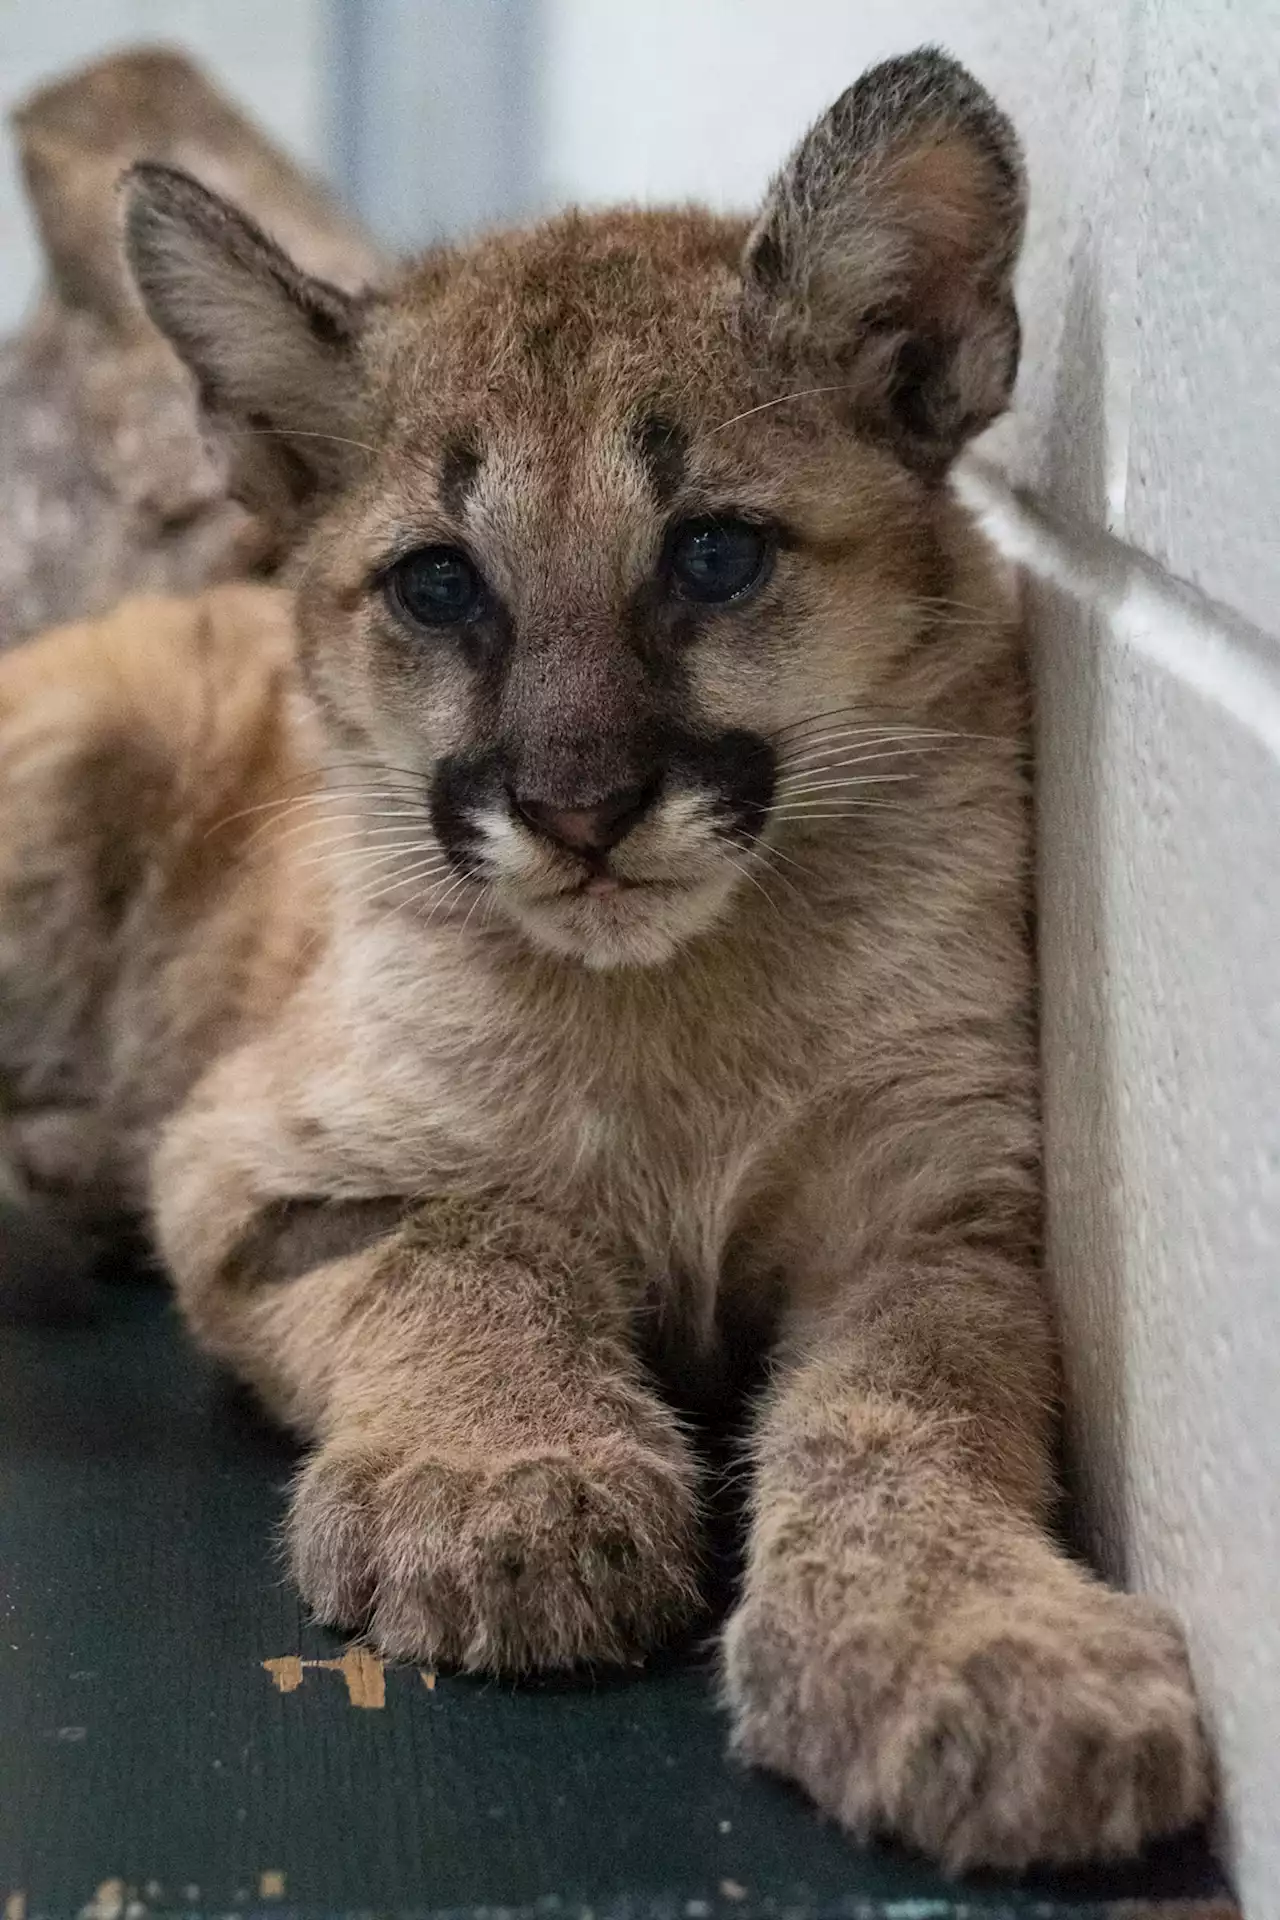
(608, 944)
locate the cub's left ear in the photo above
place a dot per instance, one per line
(275, 352)
(882, 263)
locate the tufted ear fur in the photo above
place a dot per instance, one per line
(883, 259)
(274, 351)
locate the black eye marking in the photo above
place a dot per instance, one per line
(458, 469)
(434, 587)
(662, 449)
(714, 559)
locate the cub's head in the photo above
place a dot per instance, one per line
(613, 533)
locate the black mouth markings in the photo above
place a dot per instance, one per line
(459, 788)
(737, 771)
(741, 770)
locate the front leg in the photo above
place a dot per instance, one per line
(911, 1646)
(494, 1485)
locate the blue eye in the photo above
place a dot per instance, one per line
(435, 587)
(714, 560)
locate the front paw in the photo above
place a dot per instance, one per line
(503, 1565)
(1054, 1724)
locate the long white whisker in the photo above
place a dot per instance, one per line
(448, 894)
(376, 768)
(846, 785)
(803, 393)
(840, 741)
(419, 859)
(939, 603)
(416, 824)
(849, 769)
(387, 813)
(321, 776)
(748, 876)
(846, 730)
(867, 712)
(810, 812)
(324, 819)
(811, 771)
(302, 433)
(868, 717)
(318, 796)
(377, 855)
(425, 854)
(766, 851)
(876, 720)
(878, 747)
(382, 886)
(764, 855)
(470, 911)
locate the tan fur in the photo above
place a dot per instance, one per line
(142, 929)
(455, 1158)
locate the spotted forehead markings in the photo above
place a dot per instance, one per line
(663, 450)
(459, 466)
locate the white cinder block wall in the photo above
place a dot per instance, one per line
(1148, 424)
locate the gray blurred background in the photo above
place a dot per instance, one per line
(437, 116)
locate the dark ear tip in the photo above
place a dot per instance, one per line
(161, 205)
(145, 199)
(150, 183)
(930, 82)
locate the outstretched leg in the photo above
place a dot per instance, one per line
(494, 1485)
(911, 1646)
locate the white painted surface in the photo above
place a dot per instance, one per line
(1206, 416)
(1159, 792)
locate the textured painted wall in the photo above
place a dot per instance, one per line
(1149, 423)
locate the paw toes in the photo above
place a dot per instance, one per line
(1069, 1737)
(534, 1563)
(331, 1548)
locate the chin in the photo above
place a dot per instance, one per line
(639, 926)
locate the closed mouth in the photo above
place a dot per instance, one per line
(601, 886)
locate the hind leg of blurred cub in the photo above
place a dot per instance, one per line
(493, 1485)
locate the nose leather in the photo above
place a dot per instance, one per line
(592, 829)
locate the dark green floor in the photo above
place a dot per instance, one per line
(149, 1763)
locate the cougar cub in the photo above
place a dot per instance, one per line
(614, 944)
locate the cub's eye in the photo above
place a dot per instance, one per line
(435, 586)
(718, 559)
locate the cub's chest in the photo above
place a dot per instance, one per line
(640, 1099)
(642, 1123)
(636, 1114)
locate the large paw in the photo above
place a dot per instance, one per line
(1053, 1724)
(499, 1566)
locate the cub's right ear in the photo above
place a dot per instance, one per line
(273, 351)
(883, 260)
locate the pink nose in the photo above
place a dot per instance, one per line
(588, 829)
